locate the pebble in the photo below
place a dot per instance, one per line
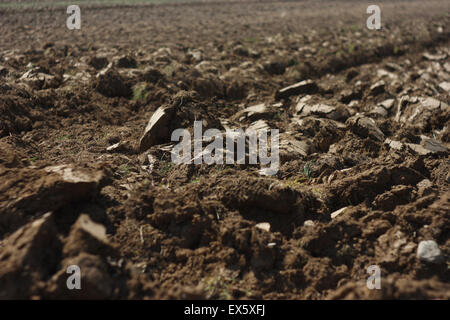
(308, 223)
(338, 212)
(264, 226)
(428, 251)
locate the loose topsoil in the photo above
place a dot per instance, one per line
(364, 150)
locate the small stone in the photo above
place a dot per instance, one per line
(254, 113)
(267, 171)
(445, 86)
(263, 226)
(303, 87)
(424, 187)
(194, 55)
(434, 57)
(338, 113)
(387, 104)
(308, 223)
(428, 251)
(353, 104)
(348, 95)
(418, 149)
(430, 103)
(365, 127)
(377, 88)
(338, 212)
(121, 147)
(260, 108)
(383, 73)
(393, 67)
(157, 130)
(432, 144)
(425, 183)
(396, 145)
(113, 147)
(380, 111)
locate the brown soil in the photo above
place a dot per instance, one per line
(370, 135)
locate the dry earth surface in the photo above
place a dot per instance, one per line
(364, 149)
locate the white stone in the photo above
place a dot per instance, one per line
(445, 86)
(429, 251)
(263, 226)
(308, 223)
(338, 212)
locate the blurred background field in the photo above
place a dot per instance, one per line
(17, 4)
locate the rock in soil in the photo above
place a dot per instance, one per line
(157, 129)
(303, 87)
(428, 251)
